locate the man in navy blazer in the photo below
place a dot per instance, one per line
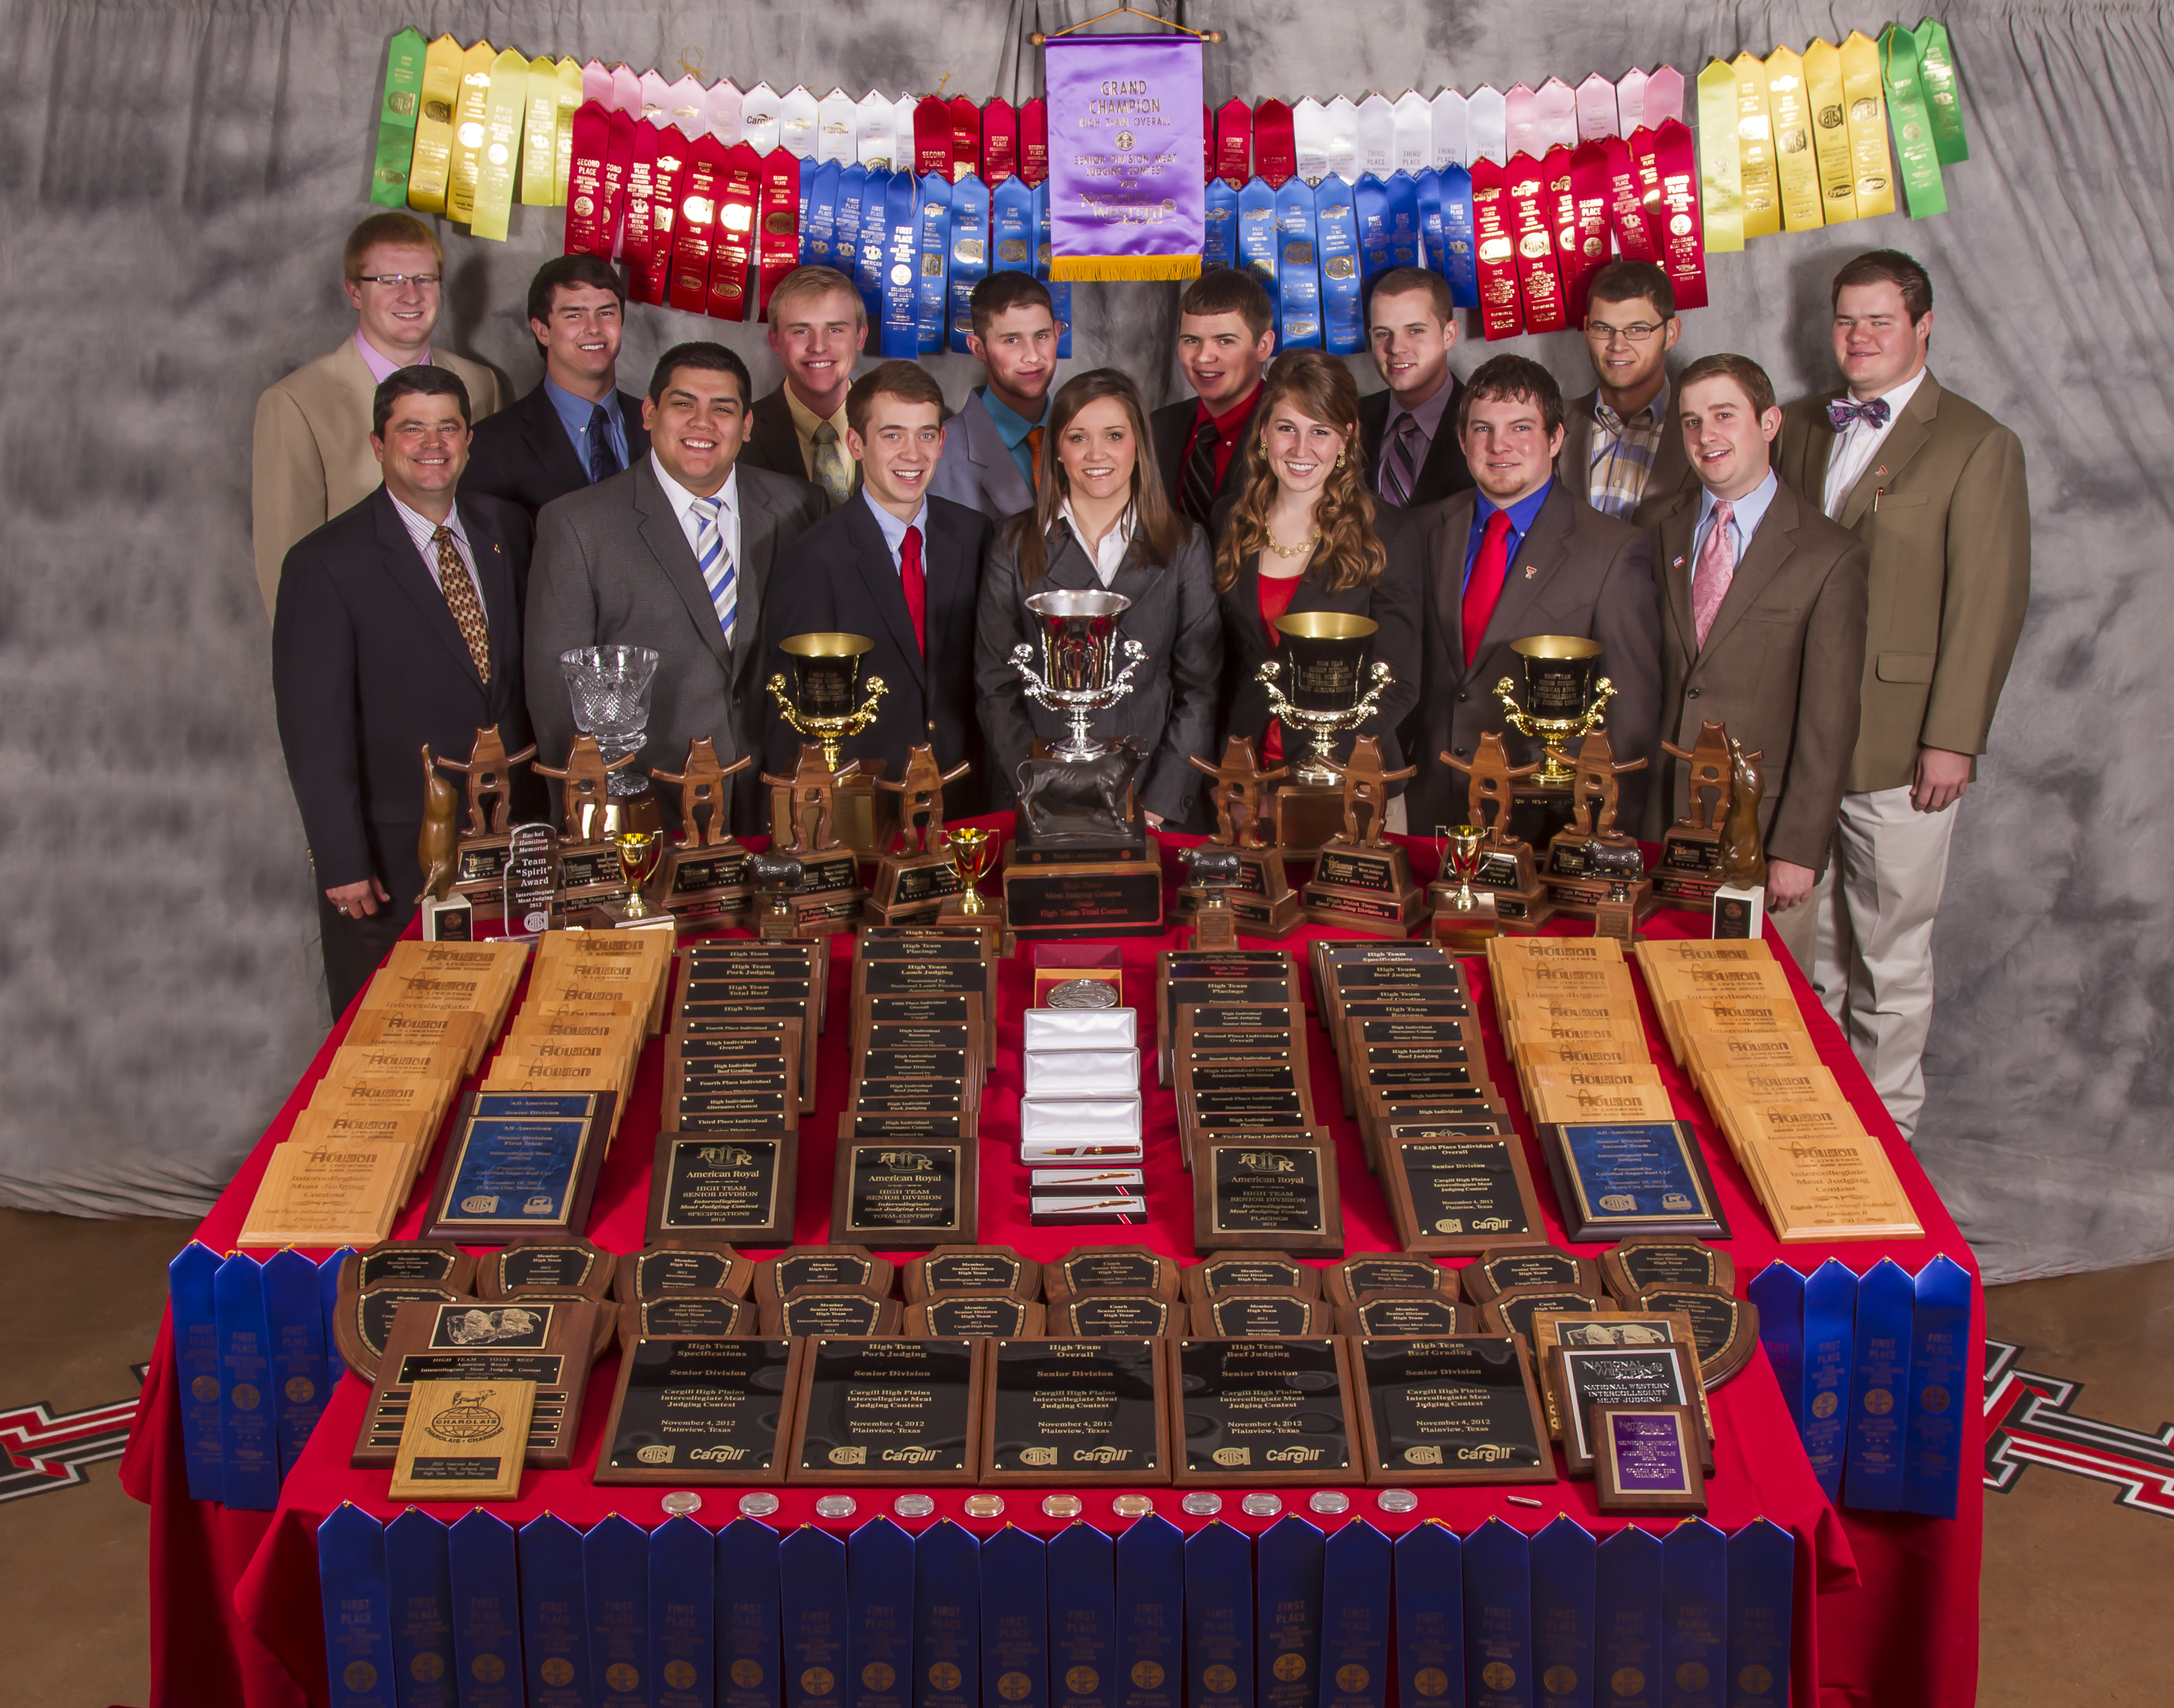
(577, 427)
(399, 623)
(904, 567)
(991, 450)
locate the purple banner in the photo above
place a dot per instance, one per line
(1127, 197)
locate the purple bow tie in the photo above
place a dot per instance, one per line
(1844, 410)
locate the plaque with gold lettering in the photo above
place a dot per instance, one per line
(1087, 1269)
(1251, 1313)
(1499, 1270)
(462, 1441)
(972, 1269)
(887, 1411)
(726, 1187)
(699, 1410)
(1070, 1412)
(1391, 1313)
(682, 1265)
(1088, 1315)
(1374, 1272)
(1223, 1272)
(994, 1314)
(902, 1196)
(690, 1316)
(1279, 1196)
(821, 1266)
(1455, 1195)
(546, 1266)
(1261, 1411)
(1454, 1408)
(546, 1342)
(833, 1310)
(1671, 1261)
(519, 1163)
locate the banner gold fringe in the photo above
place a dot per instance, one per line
(1082, 268)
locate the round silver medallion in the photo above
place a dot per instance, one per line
(1083, 993)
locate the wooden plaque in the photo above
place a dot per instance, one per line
(1619, 1178)
(1492, 1432)
(690, 1316)
(519, 1164)
(1500, 1269)
(1546, 1329)
(1725, 1327)
(365, 1319)
(1404, 1313)
(1221, 1272)
(1459, 1194)
(1646, 1459)
(416, 1261)
(1250, 1314)
(1073, 1412)
(736, 1187)
(845, 1312)
(682, 1265)
(972, 1269)
(1344, 1283)
(546, 1342)
(1664, 1260)
(821, 1266)
(904, 1196)
(1512, 1310)
(688, 1411)
(462, 1441)
(887, 1411)
(1091, 1316)
(1261, 1411)
(950, 1315)
(1275, 1195)
(1109, 1269)
(547, 1265)
(1582, 1377)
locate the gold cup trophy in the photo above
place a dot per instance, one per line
(1565, 699)
(1465, 918)
(822, 695)
(1320, 683)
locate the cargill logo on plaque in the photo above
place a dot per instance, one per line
(1293, 1455)
(908, 1456)
(719, 1454)
(1100, 1456)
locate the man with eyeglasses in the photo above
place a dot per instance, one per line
(1623, 442)
(312, 459)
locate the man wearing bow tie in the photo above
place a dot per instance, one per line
(1935, 486)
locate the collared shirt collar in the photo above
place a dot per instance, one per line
(1428, 416)
(805, 420)
(1898, 399)
(1745, 513)
(576, 411)
(420, 527)
(1232, 418)
(1522, 513)
(894, 527)
(382, 367)
(1010, 424)
(683, 501)
(1109, 556)
(1655, 412)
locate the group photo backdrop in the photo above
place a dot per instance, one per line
(177, 180)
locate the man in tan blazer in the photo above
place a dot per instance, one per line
(1623, 441)
(1935, 488)
(1762, 629)
(311, 458)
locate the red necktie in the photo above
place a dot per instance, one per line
(1482, 587)
(915, 585)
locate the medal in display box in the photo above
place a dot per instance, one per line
(820, 694)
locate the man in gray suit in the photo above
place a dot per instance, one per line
(675, 553)
(1623, 442)
(993, 445)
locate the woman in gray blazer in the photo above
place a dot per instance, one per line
(1104, 521)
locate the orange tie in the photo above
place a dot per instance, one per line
(1034, 456)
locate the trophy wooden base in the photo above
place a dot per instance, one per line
(1689, 871)
(1086, 898)
(1616, 919)
(612, 915)
(1215, 926)
(1739, 913)
(1261, 896)
(986, 920)
(589, 876)
(1462, 930)
(828, 914)
(910, 888)
(705, 886)
(452, 920)
(862, 817)
(1366, 887)
(479, 867)
(774, 925)
(1307, 816)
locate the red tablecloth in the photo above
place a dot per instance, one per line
(1886, 1604)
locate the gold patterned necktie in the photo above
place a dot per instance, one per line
(834, 470)
(461, 599)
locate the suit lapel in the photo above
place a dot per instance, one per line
(1446, 564)
(546, 436)
(638, 436)
(1769, 550)
(1670, 463)
(660, 530)
(1538, 555)
(1909, 435)
(404, 564)
(1172, 426)
(1444, 454)
(1815, 449)
(1678, 526)
(880, 580)
(496, 573)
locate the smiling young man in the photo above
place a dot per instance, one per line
(398, 624)
(817, 328)
(1225, 335)
(992, 450)
(311, 457)
(577, 427)
(1407, 434)
(903, 566)
(676, 554)
(1935, 488)
(1623, 444)
(1520, 555)
(1762, 630)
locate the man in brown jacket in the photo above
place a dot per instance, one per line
(311, 460)
(1935, 488)
(1762, 629)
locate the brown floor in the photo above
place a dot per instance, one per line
(2075, 1584)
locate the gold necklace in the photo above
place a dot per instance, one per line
(1300, 550)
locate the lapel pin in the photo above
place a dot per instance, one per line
(1678, 565)
(1531, 570)
(1882, 469)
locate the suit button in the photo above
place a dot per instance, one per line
(1459, 752)
(1462, 697)
(1690, 693)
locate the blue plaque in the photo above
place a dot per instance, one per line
(1083, 1619)
(1829, 1330)
(845, 225)
(749, 1659)
(486, 1580)
(248, 1444)
(1011, 226)
(1336, 232)
(358, 1615)
(819, 213)
(519, 1160)
(1287, 1614)
(196, 1365)
(813, 1607)
(615, 1583)
(419, 1594)
(1762, 1572)
(1778, 1291)
(932, 249)
(1463, 268)
(1879, 1388)
(1433, 254)
(1407, 245)
(1693, 1616)
(947, 1618)
(901, 266)
(879, 1586)
(970, 254)
(1614, 1179)
(328, 1274)
(1150, 1614)
(1354, 1618)
(683, 1616)
(555, 1615)
(1563, 1610)
(1014, 1619)
(1219, 1614)
(1256, 236)
(1626, 1619)
(873, 234)
(1298, 265)
(1218, 240)
(1940, 1349)
(1498, 1617)
(302, 1382)
(1431, 1617)
(1369, 196)
(1060, 296)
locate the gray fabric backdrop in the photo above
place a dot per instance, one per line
(174, 182)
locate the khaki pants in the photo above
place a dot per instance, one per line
(1796, 929)
(1873, 968)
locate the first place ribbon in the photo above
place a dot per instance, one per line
(396, 119)
(932, 243)
(970, 252)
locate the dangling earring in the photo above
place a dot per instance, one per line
(1264, 445)
(1339, 459)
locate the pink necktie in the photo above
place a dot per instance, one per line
(1714, 569)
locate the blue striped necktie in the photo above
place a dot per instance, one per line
(718, 574)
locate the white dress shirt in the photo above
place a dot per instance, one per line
(683, 507)
(1859, 443)
(1109, 552)
(424, 533)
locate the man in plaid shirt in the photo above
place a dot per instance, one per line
(1623, 446)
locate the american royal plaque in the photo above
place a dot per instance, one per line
(1454, 1408)
(733, 1187)
(1261, 1411)
(699, 1410)
(1275, 1197)
(888, 1411)
(1074, 1411)
(901, 1196)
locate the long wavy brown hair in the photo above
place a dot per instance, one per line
(1158, 530)
(1350, 554)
